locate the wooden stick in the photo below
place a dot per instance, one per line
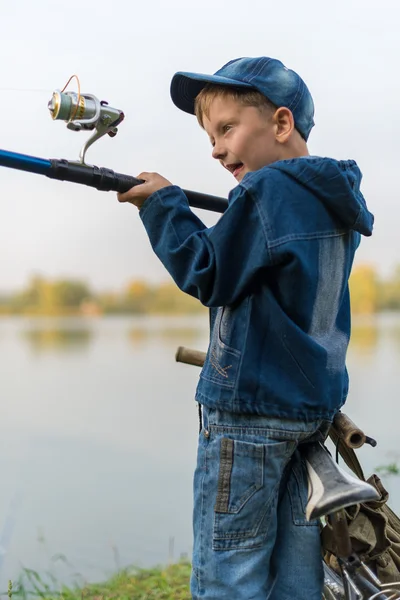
(347, 431)
(343, 427)
(190, 357)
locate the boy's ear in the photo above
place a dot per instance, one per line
(284, 124)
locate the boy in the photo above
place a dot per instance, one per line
(274, 271)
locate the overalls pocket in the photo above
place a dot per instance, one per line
(297, 486)
(248, 490)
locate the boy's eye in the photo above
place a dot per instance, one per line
(226, 128)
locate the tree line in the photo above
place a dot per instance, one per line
(72, 297)
(370, 293)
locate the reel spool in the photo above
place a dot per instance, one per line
(85, 112)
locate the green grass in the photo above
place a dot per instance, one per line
(390, 469)
(168, 583)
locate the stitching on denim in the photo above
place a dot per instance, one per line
(302, 371)
(245, 534)
(290, 237)
(263, 220)
(256, 72)
(215, 363)
(282, 435)
(258, 480)
(250, 75)
(224, 477)
(298, 96)
(236, 539)
(244, 538)
(201, 551)
(303, 237)
(296, 501)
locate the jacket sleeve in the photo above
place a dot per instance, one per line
(218, 264)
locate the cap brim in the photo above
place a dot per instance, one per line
(186, 86)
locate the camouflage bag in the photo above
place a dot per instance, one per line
(373, 527)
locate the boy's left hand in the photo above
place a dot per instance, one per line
(138, 194)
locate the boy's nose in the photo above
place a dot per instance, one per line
(218, 152)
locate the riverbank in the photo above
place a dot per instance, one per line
(168, 583)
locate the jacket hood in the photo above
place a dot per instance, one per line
(336, 184)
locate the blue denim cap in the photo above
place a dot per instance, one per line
(282, 86)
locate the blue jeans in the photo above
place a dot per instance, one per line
(251, 537)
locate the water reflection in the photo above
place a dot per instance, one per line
(165, 335)
(395, 335)
(76, 334)
(365, 337)
(100, 433)
(368, 332)
(64, 339)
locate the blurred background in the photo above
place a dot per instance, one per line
(98, 426)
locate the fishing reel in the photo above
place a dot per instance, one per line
(85, 112)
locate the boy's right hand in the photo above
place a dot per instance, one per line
(139, 193)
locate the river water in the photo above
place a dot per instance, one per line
(98, 435)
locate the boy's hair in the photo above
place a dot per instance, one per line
(269, 76)
(245, 97)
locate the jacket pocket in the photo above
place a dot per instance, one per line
(247, 493)
(228, 338)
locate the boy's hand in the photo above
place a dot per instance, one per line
(138, 194)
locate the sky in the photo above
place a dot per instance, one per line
(126, 53)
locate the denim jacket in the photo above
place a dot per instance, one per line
(274, 271)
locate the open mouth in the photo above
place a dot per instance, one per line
(235, 168)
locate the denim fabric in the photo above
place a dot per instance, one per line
(274, 271)
(251, 537)
(282, 86)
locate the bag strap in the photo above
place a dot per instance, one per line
(351, 460)
(348, 454)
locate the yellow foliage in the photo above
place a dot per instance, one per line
(364, 289)
(368, 294)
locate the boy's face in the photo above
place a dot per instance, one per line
(243, 137)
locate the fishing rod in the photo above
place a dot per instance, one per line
(84, 112)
